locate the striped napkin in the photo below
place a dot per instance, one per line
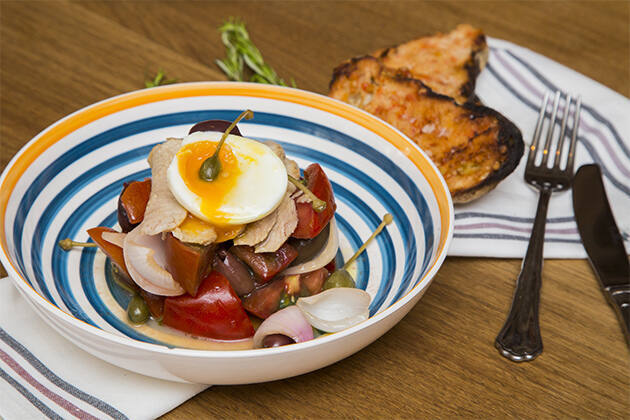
(42, 375)
(499, 224)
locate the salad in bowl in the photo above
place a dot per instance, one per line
(228, 241)
(127, 306)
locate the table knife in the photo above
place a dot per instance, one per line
(602, 241)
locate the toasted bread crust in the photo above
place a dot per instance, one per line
(447, 63)
(473, 146)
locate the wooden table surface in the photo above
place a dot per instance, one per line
(57, 57)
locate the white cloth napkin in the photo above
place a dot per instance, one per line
(42, 375)
(499, 224)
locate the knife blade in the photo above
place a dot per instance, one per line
(602, 241)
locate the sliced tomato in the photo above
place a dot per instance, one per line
(312, 283)
(310, 223)
(114, 252)
(189, 264)
(266, 264)
(154, 302)
(132, 203)
(265, 300)
(215, 312)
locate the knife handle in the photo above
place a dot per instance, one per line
(619, 298)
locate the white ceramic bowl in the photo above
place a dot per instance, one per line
(67, 179)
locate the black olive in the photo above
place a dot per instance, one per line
(214, 125)
(276, 340)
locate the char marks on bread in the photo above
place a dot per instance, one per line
(425, 88)
(447, 63)
(473, 146)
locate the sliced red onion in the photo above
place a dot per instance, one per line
(145, 259)
(116, 238)
(288, 321)
(323, 257)
(335, 309)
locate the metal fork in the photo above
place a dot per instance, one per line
(519, 340)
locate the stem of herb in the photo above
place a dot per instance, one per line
(159, 80)
(240, 51)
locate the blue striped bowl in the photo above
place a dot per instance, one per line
(67, 179)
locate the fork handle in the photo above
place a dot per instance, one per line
(519, 340)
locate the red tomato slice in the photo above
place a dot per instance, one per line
(135, 198)
(266, 264)
(312, 283)
(114, 252)
(310, 223)
(132, 203)
(265, 300)
(215, 312)
(188, 264)
(154, 302)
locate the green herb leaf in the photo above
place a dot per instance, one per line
(240, 51)
(159, 80)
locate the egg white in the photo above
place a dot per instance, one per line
(258, 191)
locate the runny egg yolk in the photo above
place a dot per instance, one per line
(213, 194)
(250, 184)
(193, 225)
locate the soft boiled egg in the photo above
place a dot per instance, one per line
(250, 185)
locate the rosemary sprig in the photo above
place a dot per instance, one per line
(241, 51)
(159, 80)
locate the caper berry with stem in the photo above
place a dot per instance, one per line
(67, 244)
(318, 205)
(137, 310)
(341, 277)
(211, 167)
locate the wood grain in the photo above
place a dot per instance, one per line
(439, 360)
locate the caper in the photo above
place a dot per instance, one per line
(340, 278)
(67, 244)
(137, 310)
(211, 167)
(318, 205)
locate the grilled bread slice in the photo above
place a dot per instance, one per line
(447, 63)
(473, 146)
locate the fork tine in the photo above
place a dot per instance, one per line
(552, 125)
(536, 139)
(560, 147)
(576, 126)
